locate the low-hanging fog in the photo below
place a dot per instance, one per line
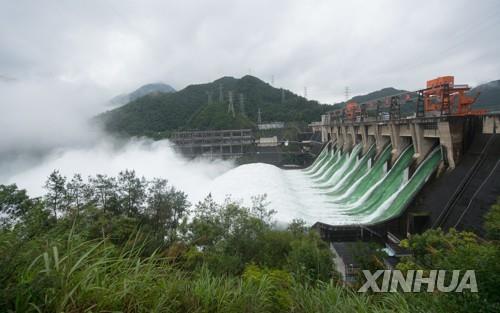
(50, 130)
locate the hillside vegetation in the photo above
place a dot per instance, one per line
(489, 96)
(190, 108)
(201, 107)
(125, 244)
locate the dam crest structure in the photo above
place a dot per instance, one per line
(413, 150)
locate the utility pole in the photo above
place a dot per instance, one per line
(221, 94)
(209, 97)
(259, 117)
(242, 105)
(230, 108)
(347, 92)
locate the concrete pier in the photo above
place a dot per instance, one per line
(424, 133)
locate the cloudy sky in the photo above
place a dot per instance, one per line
(115, 46)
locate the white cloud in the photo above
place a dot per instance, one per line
(323, 45)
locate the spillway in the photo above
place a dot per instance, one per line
(338, 188)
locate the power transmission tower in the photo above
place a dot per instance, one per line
(305, 92)
(242, 105)
(272, 80)
(209, 97)
(347, 91)
(230, 107)
(282, 95)
(259, 117)
(221, 94)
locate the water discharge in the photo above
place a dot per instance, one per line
(339, 188)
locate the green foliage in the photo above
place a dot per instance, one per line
(14, 203)
(56, 192)
(216, 116)
(310, 259)
(156, 115)
(126, 244)
(71, 275)
(492, 222)
(455, 250)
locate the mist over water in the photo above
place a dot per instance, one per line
(45, 127)
(148, 158)
(49, 130)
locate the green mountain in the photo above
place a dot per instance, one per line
(385, 92)
(489, 96)
(202, 107)
(141, 92)
(205, 106)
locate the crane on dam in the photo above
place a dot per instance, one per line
(441, 97)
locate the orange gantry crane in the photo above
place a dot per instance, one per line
(442, 94)
(441, 97)
(352, 110)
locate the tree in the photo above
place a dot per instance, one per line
(132, 192)
(103, 192)
(75, 192)
(167, 207)
(56, 192)
(297, 227)
(310, 259)
(14, 203)
(492, 222)
(453, 250)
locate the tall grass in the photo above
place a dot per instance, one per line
(96, 276)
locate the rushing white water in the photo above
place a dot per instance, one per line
(338, 188)
(351, 189)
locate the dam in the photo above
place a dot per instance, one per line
(444, 140)
(396, 171)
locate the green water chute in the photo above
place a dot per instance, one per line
(325, 168)
(386, 187)
(318, 159)
(409, 190)
(320, 167)
(335, 174)
(331, 168)
(360, 188)
(359, 171)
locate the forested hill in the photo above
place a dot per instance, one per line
(385, 92)
(488, 96)
(190, 108)
(201, 107)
